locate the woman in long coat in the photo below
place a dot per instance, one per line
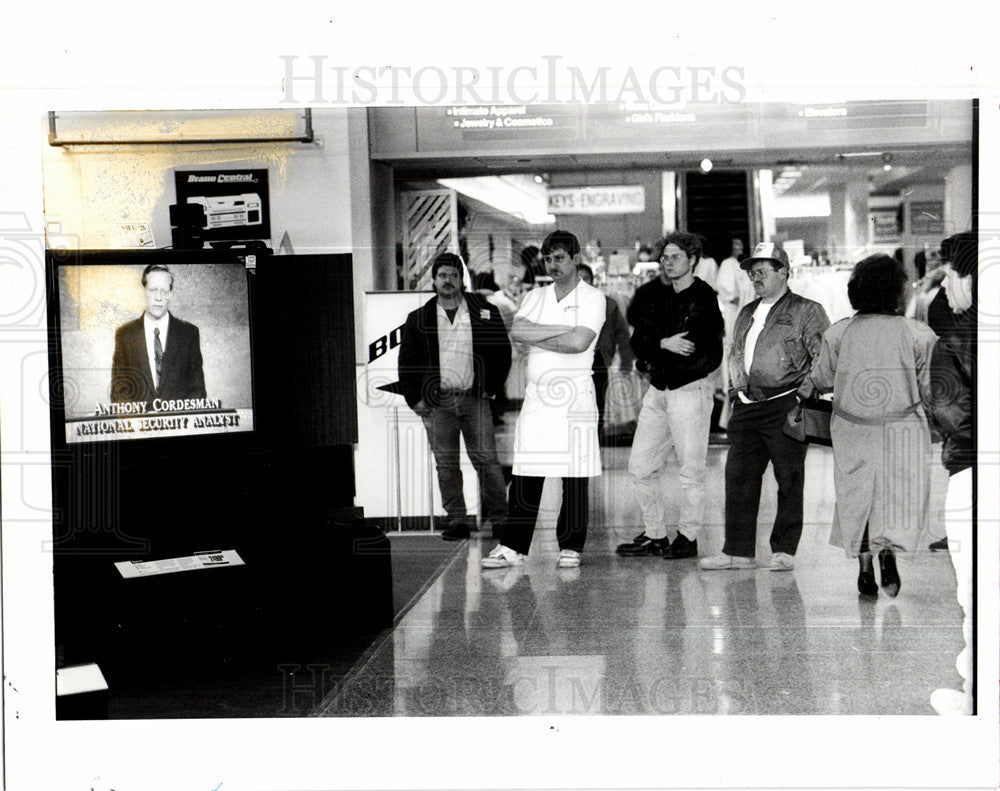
(878, 364)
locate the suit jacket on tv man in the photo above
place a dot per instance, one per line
(181, 375)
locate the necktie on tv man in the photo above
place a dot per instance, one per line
(157, 353)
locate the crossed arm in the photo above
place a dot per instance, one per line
(552, 337)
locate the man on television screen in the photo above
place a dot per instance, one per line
(157, 356)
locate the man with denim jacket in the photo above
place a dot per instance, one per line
(775, 340)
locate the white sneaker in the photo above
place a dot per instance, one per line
(950, 702)
(724, 561)
(502, 557)
(568, 559)
(782, 561)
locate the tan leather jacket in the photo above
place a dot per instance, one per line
(786, 348)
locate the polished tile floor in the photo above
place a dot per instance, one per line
(650, 636)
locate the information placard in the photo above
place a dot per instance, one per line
(130, 569)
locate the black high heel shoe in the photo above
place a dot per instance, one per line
(866, 575)
(890, 576)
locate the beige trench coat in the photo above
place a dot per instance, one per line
(879, 369)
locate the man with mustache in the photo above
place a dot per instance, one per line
(453, 359)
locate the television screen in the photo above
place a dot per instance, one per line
(158, 348)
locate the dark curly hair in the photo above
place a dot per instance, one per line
(877, 285)
(688, 242)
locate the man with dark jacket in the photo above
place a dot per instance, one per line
(157, 356)
(953, 384)
(453, 359)
(678, 342)
(775, 340)
(614, 337)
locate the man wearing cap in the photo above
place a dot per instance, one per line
(454, 357)
(775, 340)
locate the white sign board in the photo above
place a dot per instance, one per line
(597, 200)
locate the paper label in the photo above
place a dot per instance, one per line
(135, 234)
(130, 569)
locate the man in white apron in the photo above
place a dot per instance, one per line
(556, 432)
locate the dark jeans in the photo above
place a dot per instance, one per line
(470, 415)
(526, 493)
(756, 438)
(600, 376)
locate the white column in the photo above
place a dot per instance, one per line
(838, 229)
(958, 199)
(849, 227)
(669, 201)
(765, 195)
(859, 231)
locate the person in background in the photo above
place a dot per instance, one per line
(926, 260)
(678, 341)
(951, 406)
(614, 337)
(534, 266)
(735, 290)
(506, 299)
(776, 338)
(707, 268)
(484, 283)
(453, 360)
(732, 284)
(930, 304)
(877, 363)
(940, 315)
(593, 256)
(646, 268)
(556, 431)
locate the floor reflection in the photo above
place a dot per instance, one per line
(645, 636)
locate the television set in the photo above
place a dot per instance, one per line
(151, 344)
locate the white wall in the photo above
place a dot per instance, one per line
(958, 199)
(88, 189)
